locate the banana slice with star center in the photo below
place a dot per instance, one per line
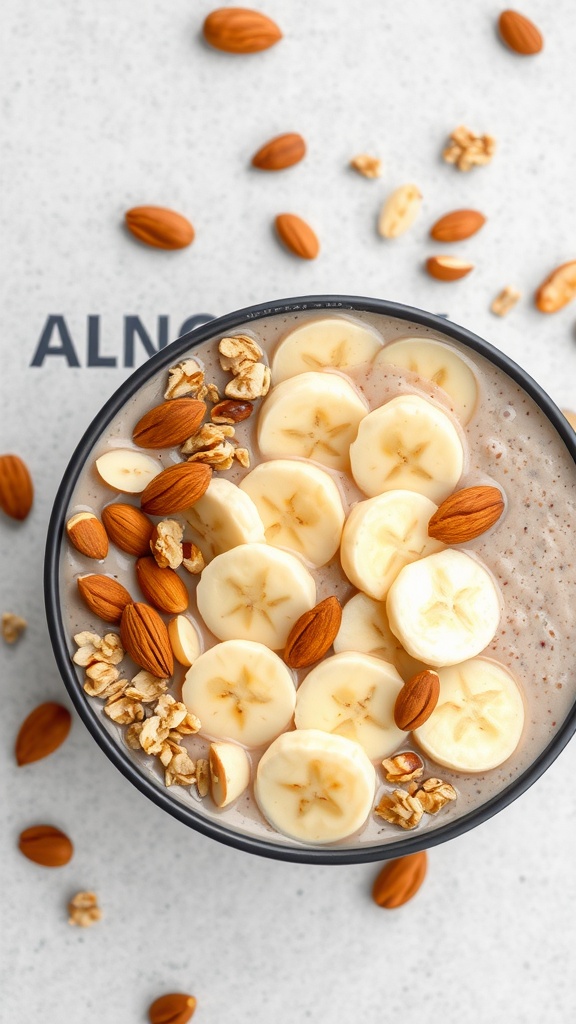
(224, 517)
(338, 343)
(436, 362)
(364, 628)
(315, 787)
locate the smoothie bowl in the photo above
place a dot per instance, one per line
(306, 579)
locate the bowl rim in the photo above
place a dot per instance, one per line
(407, 843)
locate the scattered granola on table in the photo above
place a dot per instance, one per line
(12, 627)
(366, 165)
(467, 150)
(84, 910)
(505, 300)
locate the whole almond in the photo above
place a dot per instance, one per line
(457, 225)
(400, 880)
(240, 30)
(417, 700)
(297, 236)
(46, 845)
(159, 227)
(104, 596)
(448, 268)
(280, 152)
(128, 528)
(162, 587)
(231, 410)
(170, 423)
(519, 33)
(16, 488)
(313, 634)
(145, 637)
(42, 732)
(175, 489)
(558, 289)
(86, 533)
(466, 514)
(173, 1008)
(399, 211)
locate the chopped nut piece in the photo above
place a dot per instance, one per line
(466, 149)
(230, 411)
(221, 457)
(99, 676)
(237, 353)
(180, 770)
(252, 382)
(175, 715)
(123, 710)
(193, 559)
(212, 393)
(366, 165)
(187, 378)
(146, 687)
(132, 735)
(166, 544)
(403, 767)
(12, 627)
(207, 438)
(104, 690)
(400, 808)
(153, 734)
(93, 648)
(434, 794)
(84, 910)
(505, 300)
(202, 776)
(243, 456)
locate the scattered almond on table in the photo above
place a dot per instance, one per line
(457, 225)
(448, 268)
(172, 1008)
(400, 880)
(519, 33)
(240, 30)
(399, 211)
(159, 227)
(558, 289)
(42, 732)
(280, 153)
(298, 237)
(16, 487)
(46, 845)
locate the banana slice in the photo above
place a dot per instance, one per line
(223, 517)
(315, 787)
(364, 628)
(229, 769)
(438, 363)
(184, 640)
(408, 443)
(336, 342)
(255, 592)
(444, 609)
(384, 534)
(478, 720)
(352, 695)
(126, 470)
(240, 691)
(300, 507)
(314, 416)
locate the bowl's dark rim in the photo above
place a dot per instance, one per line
(189, 816)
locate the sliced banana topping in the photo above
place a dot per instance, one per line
(313, 416)
(364, 628)
(444, 608)
(184, 640)
(223, 517)
(315, 787)
(300, 507)
(438, 363)
(478, 721)
(255, 592)
(240, 691)
(333, 342)
(410, 444)
(382, 535)
(126, 470)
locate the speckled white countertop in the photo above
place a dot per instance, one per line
(113, 105)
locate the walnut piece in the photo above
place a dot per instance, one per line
(100, 677)
(466, 149)
(123, 710)
(202, 776)
(84, 910)
(366, 165)
(166, 544)
(237, 353)
(93, 648)
(400, 808)
(146, 687)
(12, 627)
(207, 438)
(193, 559)
(221, 457)
(434, 794)
(187, 378)
(243, 456)
(252, 382)
(505, 300)
(403, 767)
(180, 769)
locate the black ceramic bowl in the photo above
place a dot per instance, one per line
(192, 815)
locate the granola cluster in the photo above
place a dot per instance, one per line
(405, 807)
(241, 356)
(187, 378)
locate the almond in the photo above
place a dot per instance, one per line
(466, 514)
(16, 488)
(417, 700)
(231, 410)
(519, 33)
(448, 268)
(128, 528)
(104, 596)
(159, 227)
(145, 637)
(313, 634)
(170, 423)
(173, 1008)
(240, 30)
(162, 587)
(176, 488)
(42, 732)
(399, 211)
(558, 289)
(86, 533)
(297, 236)
(400, 880)
(280, 152)
(457, 225)
(46, 845)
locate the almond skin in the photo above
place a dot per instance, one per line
(145, 637)
(457, 225)
(176, 488)
(87, 535)
(42, 732)
(128, 528)
(416, 701)
(240, 30)
(297, 236)
(313, 634)
(170, 423)
(16, 488)
(104, 596)
(400, 880)
(46, 845)
(447, 268)
(173, 1008)
(466, 514)
(159, 227)
(558, 289)
(519, 33)
(280, 152)
(161, 587)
